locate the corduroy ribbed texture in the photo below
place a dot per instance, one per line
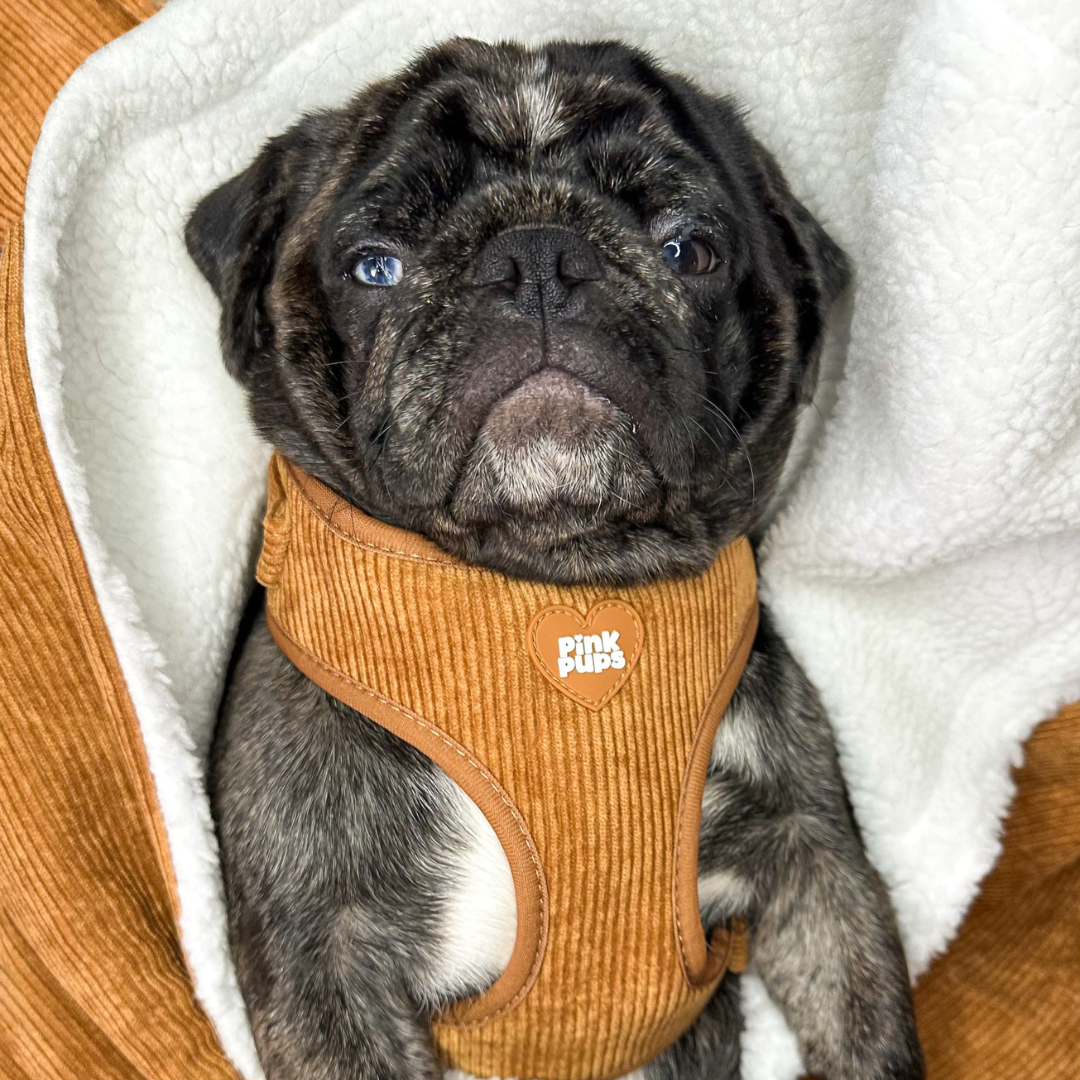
(1004, 1002)
(92, 977)
(598, 792)
(41, 44)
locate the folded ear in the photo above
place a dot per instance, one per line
(820, 268)
(234, 235)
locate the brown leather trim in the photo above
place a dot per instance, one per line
(530, 885)
(351, 524)
(739, 935)
(703, 962)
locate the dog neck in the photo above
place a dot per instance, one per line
(326, 563)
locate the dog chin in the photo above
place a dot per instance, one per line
(550, 449)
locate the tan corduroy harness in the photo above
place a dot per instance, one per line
(580, 719)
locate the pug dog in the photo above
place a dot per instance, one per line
(579, 219)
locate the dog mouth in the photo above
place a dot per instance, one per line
(555, 445)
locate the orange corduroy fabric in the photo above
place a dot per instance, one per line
(594, 792)
(41, 44)
(93, 984)
(92, 977)
(1004, 1002)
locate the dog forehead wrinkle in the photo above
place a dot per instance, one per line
(542, 111)
(525, 116)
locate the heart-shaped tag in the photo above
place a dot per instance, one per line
(588, 658)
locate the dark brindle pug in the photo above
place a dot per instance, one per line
(556, 310)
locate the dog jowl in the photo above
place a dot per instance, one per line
(557, 311)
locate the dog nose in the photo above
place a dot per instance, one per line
(540, 267)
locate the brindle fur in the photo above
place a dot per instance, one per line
(338, 841)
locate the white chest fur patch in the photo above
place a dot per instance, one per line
(480, 919)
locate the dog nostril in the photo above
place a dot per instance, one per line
(511, 276)
(572, 270)
(498, 268)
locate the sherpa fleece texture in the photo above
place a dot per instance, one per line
(927, 568)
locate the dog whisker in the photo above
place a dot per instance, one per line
(729, 424)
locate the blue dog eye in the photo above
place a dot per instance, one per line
(378, 270)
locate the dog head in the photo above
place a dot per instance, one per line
(555, 309)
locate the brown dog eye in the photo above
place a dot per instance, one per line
(690, 255)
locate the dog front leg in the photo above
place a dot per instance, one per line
(336, 1004)
(827, 948)
(779, 845)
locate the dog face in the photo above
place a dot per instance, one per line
(556, 309)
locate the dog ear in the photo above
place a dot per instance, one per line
(820, 269)
(233, 236)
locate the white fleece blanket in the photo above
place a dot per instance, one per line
(927, 568)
